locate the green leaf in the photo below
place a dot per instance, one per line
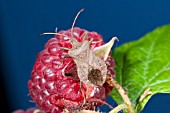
(144, 64)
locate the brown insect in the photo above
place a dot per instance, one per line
(90, 64)
(91, 68)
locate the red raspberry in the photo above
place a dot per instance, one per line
(50, 89)
(30, 110)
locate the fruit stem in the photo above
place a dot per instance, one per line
(119, 108)
(123, 94)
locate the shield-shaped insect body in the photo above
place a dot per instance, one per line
(91, 69)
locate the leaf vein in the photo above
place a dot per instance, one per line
(159, 82)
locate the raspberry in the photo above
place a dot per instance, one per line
(30, 110)
(54, 92)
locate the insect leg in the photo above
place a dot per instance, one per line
(63, 70)
(64, 48)
(85, 36)
(66, 56)
(81, 84)
(91, 40)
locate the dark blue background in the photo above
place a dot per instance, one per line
(21, 22)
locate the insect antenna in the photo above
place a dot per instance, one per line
(51, 33)
(75, 21)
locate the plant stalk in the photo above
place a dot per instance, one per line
(123, 94)
(119, 108)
